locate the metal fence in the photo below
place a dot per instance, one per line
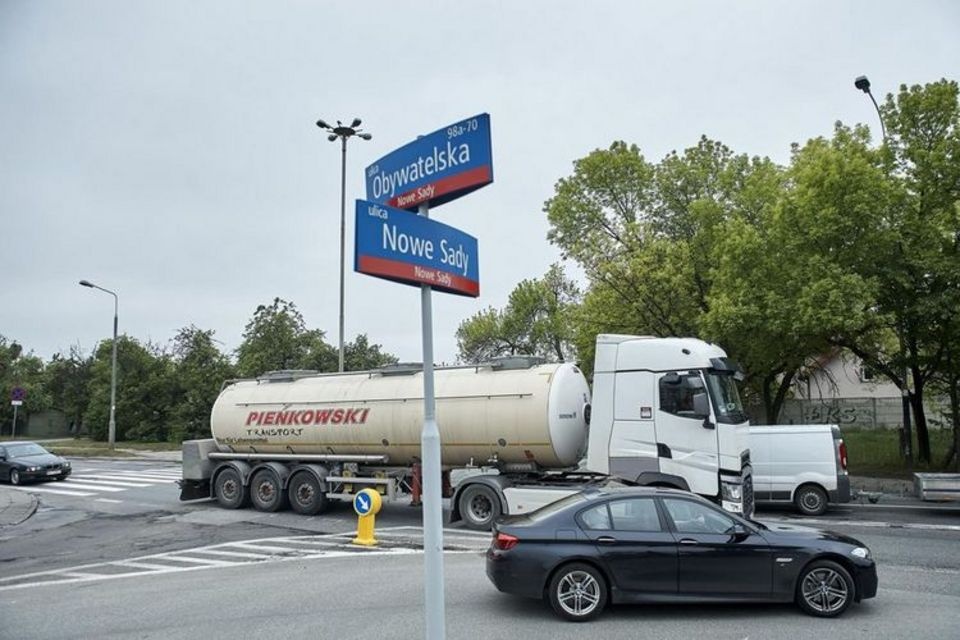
(867, 413)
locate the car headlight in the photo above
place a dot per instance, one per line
(32, 469)
(861, 552)
(66, 464)
(731, 491)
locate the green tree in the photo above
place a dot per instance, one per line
(361, 355)
(146, 392)
(535, 321)
(66, 380)
(25, 370)
(276, 338)
(199, 370)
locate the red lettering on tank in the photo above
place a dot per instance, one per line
(307, 416)
(364, 419)
(269, 419)
(283, 417)
(323, 416)
(348, 416)
(253, 416)
(337, 416)
(294, 417)
(260, 418)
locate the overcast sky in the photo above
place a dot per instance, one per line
(167, 150)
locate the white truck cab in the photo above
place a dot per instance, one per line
(666, 411)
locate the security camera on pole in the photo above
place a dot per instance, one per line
(394, 244)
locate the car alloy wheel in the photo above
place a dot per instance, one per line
(826, 589)
(14, 476)
(578, 592)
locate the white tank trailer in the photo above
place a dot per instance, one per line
(516, 433)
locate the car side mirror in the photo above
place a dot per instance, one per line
(740, 532)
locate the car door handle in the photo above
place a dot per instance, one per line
(606, 540)
(688, 541)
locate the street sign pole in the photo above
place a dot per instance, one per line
(13, 433)
(432, 480)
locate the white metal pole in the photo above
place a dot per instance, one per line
(13, 432)
(112, 427)
(432, 479)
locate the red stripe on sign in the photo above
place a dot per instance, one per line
(415, 274)
(465, 180)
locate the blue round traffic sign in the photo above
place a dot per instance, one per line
(18, 394)
(362, 503)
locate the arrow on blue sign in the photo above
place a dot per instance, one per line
(363, 503)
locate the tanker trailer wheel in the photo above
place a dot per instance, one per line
(229, 490)
(479, 507)
(266, 492)
(306, 495)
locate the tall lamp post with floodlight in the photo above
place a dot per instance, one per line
(343, 133)
(112, 434)
(863, 83)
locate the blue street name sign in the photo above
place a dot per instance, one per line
(435, 168)
(397, 245)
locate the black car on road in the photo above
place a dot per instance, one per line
(24, 461)
(643, 544)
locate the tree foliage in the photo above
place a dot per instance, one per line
(534, 322)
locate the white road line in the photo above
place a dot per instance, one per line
(91, 487)
(238, 554)
(109, 500)
(61, 492)
(179, 557)
(869, 524)
(245, 545)
(144, 477)
(109, 483)
(145, 565)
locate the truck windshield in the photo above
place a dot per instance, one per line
(726, 399)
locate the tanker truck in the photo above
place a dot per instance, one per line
(516, 433)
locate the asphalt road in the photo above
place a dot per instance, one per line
(135, 562)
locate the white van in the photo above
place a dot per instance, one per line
(803, 464)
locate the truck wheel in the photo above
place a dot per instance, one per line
(266, 493)
(479, 507)
(810, 500)
(578, 592)
(825, 589)
(229, 490)
(306, 496)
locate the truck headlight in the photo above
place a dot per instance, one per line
(861, 552)
(731, 491)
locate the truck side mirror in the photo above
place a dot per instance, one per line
(701, 409)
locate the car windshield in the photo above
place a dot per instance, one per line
(726, 399)
(23, 450)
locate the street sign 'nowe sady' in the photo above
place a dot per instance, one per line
(404, 247)
(435, 168)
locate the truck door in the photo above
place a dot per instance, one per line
(686, 443)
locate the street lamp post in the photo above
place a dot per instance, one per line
(343, 132)
(112, 433)
(863, 83)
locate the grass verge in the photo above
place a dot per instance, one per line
(876, 452)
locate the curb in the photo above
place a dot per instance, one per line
(16, 507)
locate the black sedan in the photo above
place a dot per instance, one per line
(660, 545)
(25, 461)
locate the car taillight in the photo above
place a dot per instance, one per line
(505, 541)
(843, 455)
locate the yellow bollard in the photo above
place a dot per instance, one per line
(367, 505)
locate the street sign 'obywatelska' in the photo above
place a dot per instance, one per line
(435, 168)
(415, 250)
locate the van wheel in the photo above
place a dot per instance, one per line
(479, 507)
(810, 500)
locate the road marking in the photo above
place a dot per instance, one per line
(61, 492)
(90, 487)
(870, 524)
(144, 477)
(111, 483)
(111, 501)
(337, 546)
